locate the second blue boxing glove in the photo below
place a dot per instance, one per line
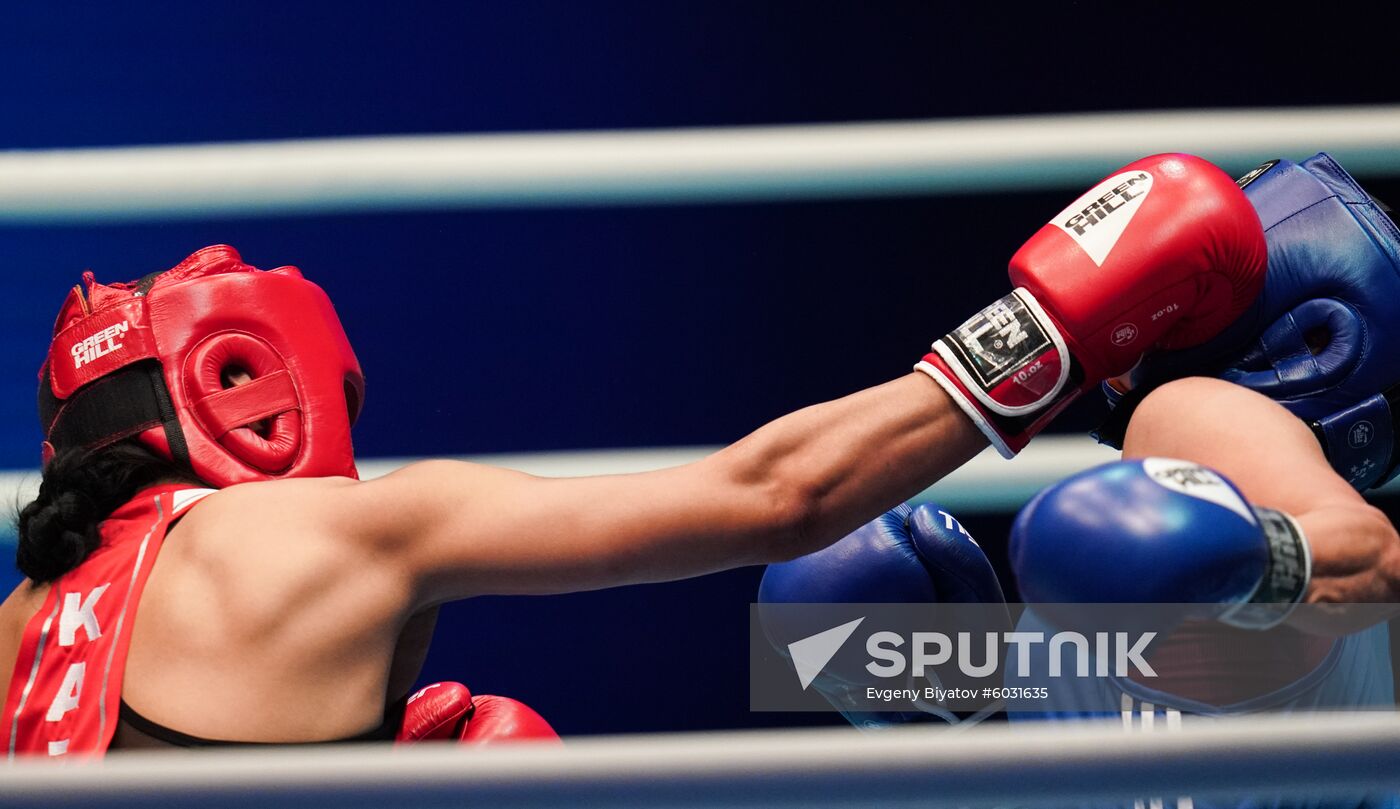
(907, 555)
(1160, 530)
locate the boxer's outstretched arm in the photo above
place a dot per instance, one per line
(1181, 258)
(1276, 462)
(791, 487)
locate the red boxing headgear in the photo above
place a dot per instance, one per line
(154, 359)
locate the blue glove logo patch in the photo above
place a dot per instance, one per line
(1197, 481)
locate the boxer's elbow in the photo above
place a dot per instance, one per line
(795, 528)
(777, 507)
(787, 518)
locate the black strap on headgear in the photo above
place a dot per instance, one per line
(114, 407)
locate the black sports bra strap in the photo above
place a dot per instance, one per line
(162, 736)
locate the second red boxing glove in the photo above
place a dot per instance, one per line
(1165, 252)
(448, 711)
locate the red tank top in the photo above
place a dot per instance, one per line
(66, 687)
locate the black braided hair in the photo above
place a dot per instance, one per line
(79, 490)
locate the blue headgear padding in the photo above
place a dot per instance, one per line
(1329, 349)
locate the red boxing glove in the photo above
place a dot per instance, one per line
(502, 719)
(1164, 253)
(446, 711)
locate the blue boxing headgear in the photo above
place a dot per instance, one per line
(1323, 339)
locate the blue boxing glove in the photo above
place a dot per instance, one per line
(1160, 530)
(907, 555)
(1323, 339)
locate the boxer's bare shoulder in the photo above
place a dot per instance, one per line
(261, 548)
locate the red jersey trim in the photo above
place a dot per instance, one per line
(30, 643)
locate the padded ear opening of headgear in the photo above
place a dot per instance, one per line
(1311, 348)
(227, 414)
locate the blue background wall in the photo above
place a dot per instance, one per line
(497, 331)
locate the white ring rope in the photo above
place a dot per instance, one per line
(1299, 757)
(660, 166)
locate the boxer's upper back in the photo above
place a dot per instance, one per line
(260, 624)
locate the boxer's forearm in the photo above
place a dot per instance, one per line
(859, 455)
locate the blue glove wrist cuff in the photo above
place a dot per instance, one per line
(1285, 580)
